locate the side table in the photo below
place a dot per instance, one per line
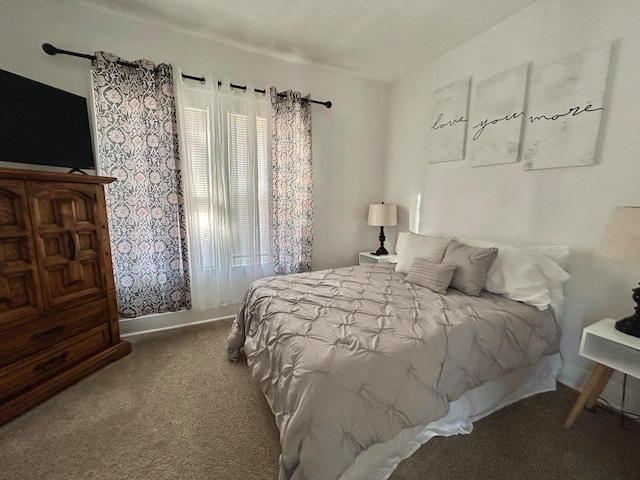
(368, 257)
(611, 350)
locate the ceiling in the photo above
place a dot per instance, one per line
(376, 39)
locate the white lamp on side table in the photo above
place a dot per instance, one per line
(382, 215)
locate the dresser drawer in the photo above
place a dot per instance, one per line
(45, 332)
(45, 364)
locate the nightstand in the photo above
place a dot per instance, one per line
(368, 257)
(611, 350)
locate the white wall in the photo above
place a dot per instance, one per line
(348, 139)
(569, 206)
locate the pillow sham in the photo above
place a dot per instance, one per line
(434, 276)
(412, 245)
(473, 264)
(557, 253)
(526, 275)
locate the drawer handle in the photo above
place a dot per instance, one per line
(52, 362)
(48, 334)
(75, 243)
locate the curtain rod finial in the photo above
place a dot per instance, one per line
(49, 49)
(328, 104)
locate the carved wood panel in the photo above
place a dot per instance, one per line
(67, 233)
(20, 292)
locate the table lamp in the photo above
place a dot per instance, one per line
(382, 215)
(622, 242)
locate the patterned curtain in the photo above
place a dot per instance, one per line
(137, 143)
(292, 195)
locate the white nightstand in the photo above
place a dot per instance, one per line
(368, 257)
(611, 350)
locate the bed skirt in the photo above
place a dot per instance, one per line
(380, 460)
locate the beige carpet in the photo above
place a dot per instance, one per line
(176, 409)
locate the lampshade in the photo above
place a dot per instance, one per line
(622, 238)
(383, 215)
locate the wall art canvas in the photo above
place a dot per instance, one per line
(566, 105)
(496, 118)
(449, 121)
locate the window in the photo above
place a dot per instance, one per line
(225, 153)
(197, 128)
(228, 193)
(248, 190)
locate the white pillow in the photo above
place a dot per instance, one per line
(411, 246)
(557, 253)
(524, 275)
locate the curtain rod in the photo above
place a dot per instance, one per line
(51, 50)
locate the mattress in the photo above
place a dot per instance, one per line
(349, 358)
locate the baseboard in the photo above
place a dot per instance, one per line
(573, 376)
(157, 323)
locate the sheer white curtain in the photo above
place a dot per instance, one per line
(224, 142)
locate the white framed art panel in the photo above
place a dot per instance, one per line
(496, 118)
(449, 120)
(566, 104)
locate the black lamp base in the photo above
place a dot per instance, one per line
(381, 250)
(629, 325)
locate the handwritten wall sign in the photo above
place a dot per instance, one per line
(444, 124)
(483, 124)
(496, 118)
(449, 122)
(561, 124)
(566, 102)
(573, 111)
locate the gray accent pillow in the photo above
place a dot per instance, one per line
(473, 264)
(434, 276)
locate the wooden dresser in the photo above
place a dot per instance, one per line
(58, 315)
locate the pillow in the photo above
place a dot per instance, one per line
(526, 275)
(411, 245)
(557, 253)
(473, 264)
(434, 276)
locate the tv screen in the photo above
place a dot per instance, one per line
(43, 125)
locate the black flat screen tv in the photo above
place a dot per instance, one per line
(43, 125)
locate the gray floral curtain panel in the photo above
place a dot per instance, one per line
(292, 195)
(137, 143)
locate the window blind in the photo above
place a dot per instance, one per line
(249, 211)
(198, 145)
(249, 237)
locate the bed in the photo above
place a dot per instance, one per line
(360, 366)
